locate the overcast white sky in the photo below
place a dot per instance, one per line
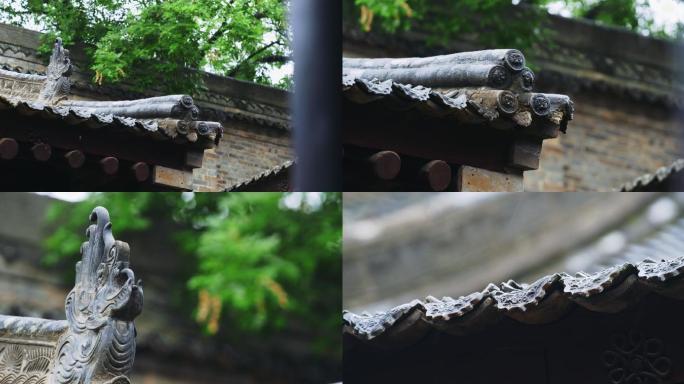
(665, 13)
(66, 196)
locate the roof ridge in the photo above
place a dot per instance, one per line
(487, 104)
(641, 183)
(547, 299)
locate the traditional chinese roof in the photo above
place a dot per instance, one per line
(276, 178)
(582, 54)
(201, 134)
(490, 87)
(49, 133)
(220, 99)
(498, 108)
(543, 301)
(173, 117)
(414, 123)
(660, 180)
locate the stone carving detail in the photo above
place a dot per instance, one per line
(492, 68)
(448, 308)
(24, 363)
(540, 104)
(632, 358)
(507, 102)
(476, 104)
(99, 345)
(57, 84)
(513, 296)
(20, 85)
(660, 271)
(587, 285)
(174, 106)
(368, 325)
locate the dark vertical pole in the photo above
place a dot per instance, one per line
(679, 61)
(317, 27)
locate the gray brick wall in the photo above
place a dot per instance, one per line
(245, 150)
(610, 141)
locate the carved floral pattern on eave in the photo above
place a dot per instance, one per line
(18, 88)
(634, 358)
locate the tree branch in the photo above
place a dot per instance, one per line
(221, 29)
(235, 69)
(270, 59)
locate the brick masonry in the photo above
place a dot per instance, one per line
(610, 141)
(245, 150)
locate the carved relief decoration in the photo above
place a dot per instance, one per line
(21, 364)
(57, 84)
(20, 85)
(99, 346)
(633, 359)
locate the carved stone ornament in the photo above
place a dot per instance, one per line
(96, 344)
(57, 84)
(633, 359)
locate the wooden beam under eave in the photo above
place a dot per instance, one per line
(472, 179)
(141, 171)
(420, 137)
(369, 169)
(193, 159)
(424, 174)
(525, 153)
(123, 145)
(41, 151)
(75, 158)
(172, 177)
(110, 165)
(9, 148)
(436, 175)
(382, 165)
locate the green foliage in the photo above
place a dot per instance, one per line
(163, 41)
(262, 261)
(631, 14)
(495, 23)
(393, 14)
(68, 220)
(610, 12)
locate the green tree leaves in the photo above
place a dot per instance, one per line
(259, 261)
(496, 23)
(161, 42)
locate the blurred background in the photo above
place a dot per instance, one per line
(239, 287)
(404, 246)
